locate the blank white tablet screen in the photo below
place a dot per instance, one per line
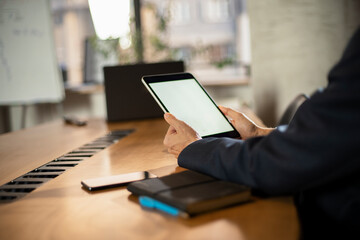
(187, 101)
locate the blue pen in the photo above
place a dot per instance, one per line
(152, 203)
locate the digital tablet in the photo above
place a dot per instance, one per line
(182, 95)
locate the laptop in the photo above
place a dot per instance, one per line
(126, 96)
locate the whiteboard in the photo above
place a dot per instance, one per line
(29, 72)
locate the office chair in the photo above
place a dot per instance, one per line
(291, 109)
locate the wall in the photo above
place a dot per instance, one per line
(294, 44)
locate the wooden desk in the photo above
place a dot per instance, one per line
(61, 209)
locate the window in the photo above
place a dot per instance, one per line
(216, 10)
(72, 25)
(212, 37)
(180, 13)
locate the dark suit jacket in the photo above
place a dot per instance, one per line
(316, 158)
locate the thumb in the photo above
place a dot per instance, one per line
(229, 112)
(223, 109)
(172, 120)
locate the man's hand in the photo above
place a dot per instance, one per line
(179, 135)
(244, 125)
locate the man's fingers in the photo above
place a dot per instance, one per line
(173, 121)
(170, 119)
(180, 127)
(173, 152)
(223, 109)
(171, 130)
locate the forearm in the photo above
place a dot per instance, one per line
(246, 162)
(281, 163)
(209, 156)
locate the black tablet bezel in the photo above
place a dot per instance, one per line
(183, 76)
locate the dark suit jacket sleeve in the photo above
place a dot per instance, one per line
(320, 145)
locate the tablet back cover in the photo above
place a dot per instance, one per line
(126, 97)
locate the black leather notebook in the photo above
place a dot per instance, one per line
(192, 192)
